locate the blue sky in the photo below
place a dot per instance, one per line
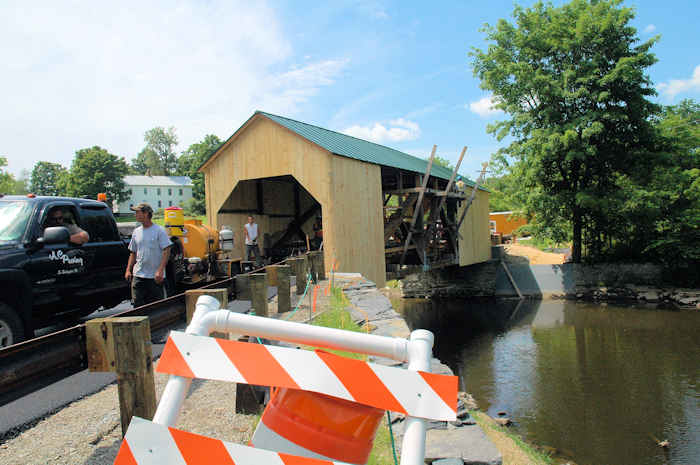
(77, 74)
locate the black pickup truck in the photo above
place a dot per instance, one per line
(45, 278)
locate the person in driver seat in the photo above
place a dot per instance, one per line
(57, 218)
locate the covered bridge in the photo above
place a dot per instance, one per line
(378, 211)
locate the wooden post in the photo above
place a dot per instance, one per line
(123, 345)
(243, 286)
(258, 290)
(271, 275)
(191, 297)
(283, 273)
(436, 213)
(317, 265)
(298, 266)
(419, 205)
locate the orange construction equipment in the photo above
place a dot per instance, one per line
(316, 425)
(199, 240)
(174, 221)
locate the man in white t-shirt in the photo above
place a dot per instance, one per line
(150, 250)
(251, 240)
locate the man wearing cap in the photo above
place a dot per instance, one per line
(150, 249)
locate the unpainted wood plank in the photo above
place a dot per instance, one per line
(419, 204)
(134, 367)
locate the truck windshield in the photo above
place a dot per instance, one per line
(14, 216)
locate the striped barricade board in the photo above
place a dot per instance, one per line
(147, 443)
(413, 393)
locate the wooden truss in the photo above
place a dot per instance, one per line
(421, 227)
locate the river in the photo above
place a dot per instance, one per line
(600, 384)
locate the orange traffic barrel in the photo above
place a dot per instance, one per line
(317, 426)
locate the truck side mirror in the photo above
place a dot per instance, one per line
(55, 235)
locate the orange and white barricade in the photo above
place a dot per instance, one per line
(326, 407)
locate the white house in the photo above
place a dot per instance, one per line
(157, 191)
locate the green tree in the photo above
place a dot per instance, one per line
(189, 162)
(571, 79)
(158, 157)
(45, 178)
(7, 181)
(661, 200)
(22, 183)
(444, 162)
(95, 170)
(146, 162)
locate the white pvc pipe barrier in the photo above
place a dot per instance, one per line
(208, 318)
(420, 353)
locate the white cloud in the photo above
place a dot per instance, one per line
(649, 29)
(678, 86)
(483, 107)
(75, 75)
(396, 131)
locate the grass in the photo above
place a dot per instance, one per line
(392, 284)
(338, 317)
(514, 450)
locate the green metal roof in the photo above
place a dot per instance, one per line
(352, 147)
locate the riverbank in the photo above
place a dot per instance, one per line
(614, 282)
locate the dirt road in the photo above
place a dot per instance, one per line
(518, 253)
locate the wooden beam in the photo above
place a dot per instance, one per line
(437, 193)
(471, 199)
(391, 250)
(392, 225)
(295, 226)
(297, 201)
(436, 214)
(450, 233)
(419, 204)
(259, 195)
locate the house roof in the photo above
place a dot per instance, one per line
(352, 147)
(179, 181)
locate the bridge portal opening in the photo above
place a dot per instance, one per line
(285, 212)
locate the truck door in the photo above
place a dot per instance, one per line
(58, 271)
(108, 285)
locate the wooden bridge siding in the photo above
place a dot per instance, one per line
(356, 219)
(348, 190)
(475, 245)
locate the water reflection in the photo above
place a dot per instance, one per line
(596, 382)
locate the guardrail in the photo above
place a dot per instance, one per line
(36, 363)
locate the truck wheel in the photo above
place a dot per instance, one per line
(11, 329)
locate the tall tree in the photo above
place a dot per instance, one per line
(158, 156)
(95, 170)
(190, 161)
(7, 181)
(45, 178)
(571, 79)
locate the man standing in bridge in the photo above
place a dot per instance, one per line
(251, 240)
(150, 250)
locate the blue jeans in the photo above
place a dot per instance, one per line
(250, 250)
